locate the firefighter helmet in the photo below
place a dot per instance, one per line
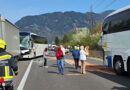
(2, 44)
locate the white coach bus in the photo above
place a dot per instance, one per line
(116, 39)
(32, 45)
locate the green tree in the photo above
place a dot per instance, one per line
(57, 41)
(79, 35)
(46, 41)
(65, 39)
(97, 28)
(83, 36)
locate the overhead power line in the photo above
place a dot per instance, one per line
(111, 3)
(99, 4)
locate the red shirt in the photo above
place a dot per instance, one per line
(59, 53)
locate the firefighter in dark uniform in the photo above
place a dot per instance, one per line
(8, 65)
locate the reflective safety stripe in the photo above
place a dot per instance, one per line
(8, 77)
(3, 56)
(6, 74)
(16, 71)
(6, 71)
(3, 59)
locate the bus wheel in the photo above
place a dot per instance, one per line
(118, 66)
(128, 66)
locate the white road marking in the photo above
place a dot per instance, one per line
(23, 81)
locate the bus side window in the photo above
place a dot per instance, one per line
(128, 20)
(128, 24)
(110, 27)
(105, 28)
(120, 22)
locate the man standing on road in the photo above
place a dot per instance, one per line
(75, 55)
(7, 64)
(59, 55)
(63, 50)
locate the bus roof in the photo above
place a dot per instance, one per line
(118, 11)
(30, 33)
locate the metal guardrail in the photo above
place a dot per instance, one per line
(94, 53)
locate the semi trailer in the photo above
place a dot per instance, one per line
(10, 34)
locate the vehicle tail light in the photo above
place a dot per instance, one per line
(2, 82)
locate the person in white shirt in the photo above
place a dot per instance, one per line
(83, 58)
(63, 50)
(45, 55)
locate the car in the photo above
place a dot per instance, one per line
(67, 50)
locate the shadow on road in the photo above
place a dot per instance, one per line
(100, 68)
(122, 80)
(75, 72)
(119, 88)
(107, 73)
(29, 59)
(25, 59)
(54, 65)
(52, 72)
(69, 68)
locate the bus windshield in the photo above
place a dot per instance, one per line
(24, 41)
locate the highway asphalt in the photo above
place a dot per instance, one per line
(40, 78)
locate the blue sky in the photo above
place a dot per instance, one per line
(13, 10)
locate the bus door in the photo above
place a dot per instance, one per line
(106, 38)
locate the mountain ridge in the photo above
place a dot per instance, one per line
(55, 24)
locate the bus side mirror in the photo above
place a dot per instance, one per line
(101, 34)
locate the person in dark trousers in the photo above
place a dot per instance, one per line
(76, 54)
(45, 54)
(7, 65)
(59, 55)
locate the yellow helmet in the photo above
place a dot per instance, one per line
(2, 44)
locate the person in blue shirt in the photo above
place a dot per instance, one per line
(76, 54)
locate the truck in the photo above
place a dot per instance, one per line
(10, 34)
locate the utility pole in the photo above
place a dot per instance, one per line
(91, 17)
(75, 27)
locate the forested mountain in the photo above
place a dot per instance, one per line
(56, 24)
